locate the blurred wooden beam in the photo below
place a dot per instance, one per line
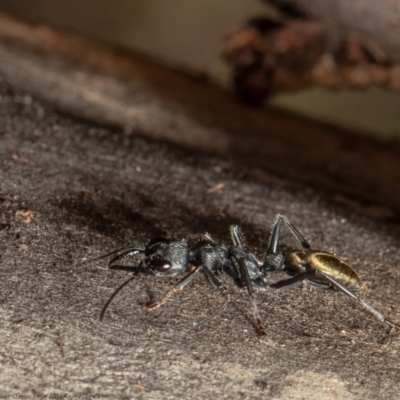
(112, 87)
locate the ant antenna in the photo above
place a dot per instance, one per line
(119, 289)
(124, 249)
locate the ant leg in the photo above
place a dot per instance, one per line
(293, 281)
(305, 275)
(356, 298)
(237, 239)
(236, 235)
(296, 233)
(260, 283)
(246, 281)
(179, 286)
(274, 240)
(213, 279)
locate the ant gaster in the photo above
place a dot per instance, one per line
(317, 267)
(172, 257)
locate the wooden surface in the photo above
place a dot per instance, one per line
(101, 150)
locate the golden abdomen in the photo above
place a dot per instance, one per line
(334, 267)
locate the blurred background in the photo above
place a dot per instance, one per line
(188, 35)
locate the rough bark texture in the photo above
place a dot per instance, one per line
(72, 190)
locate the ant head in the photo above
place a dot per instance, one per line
(166, 257)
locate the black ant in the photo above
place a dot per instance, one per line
(172, 257)
(317, 267)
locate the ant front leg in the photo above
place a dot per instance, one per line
(179, 286)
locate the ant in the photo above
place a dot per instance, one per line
(171, 257)
(316, 267)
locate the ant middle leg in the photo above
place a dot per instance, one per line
(246, 282)
(245, 279)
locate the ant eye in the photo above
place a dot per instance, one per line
(162, 265)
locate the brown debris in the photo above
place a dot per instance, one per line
(216, 187)
(299, 54)
(27, 215)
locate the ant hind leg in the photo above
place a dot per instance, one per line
(359, 300)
